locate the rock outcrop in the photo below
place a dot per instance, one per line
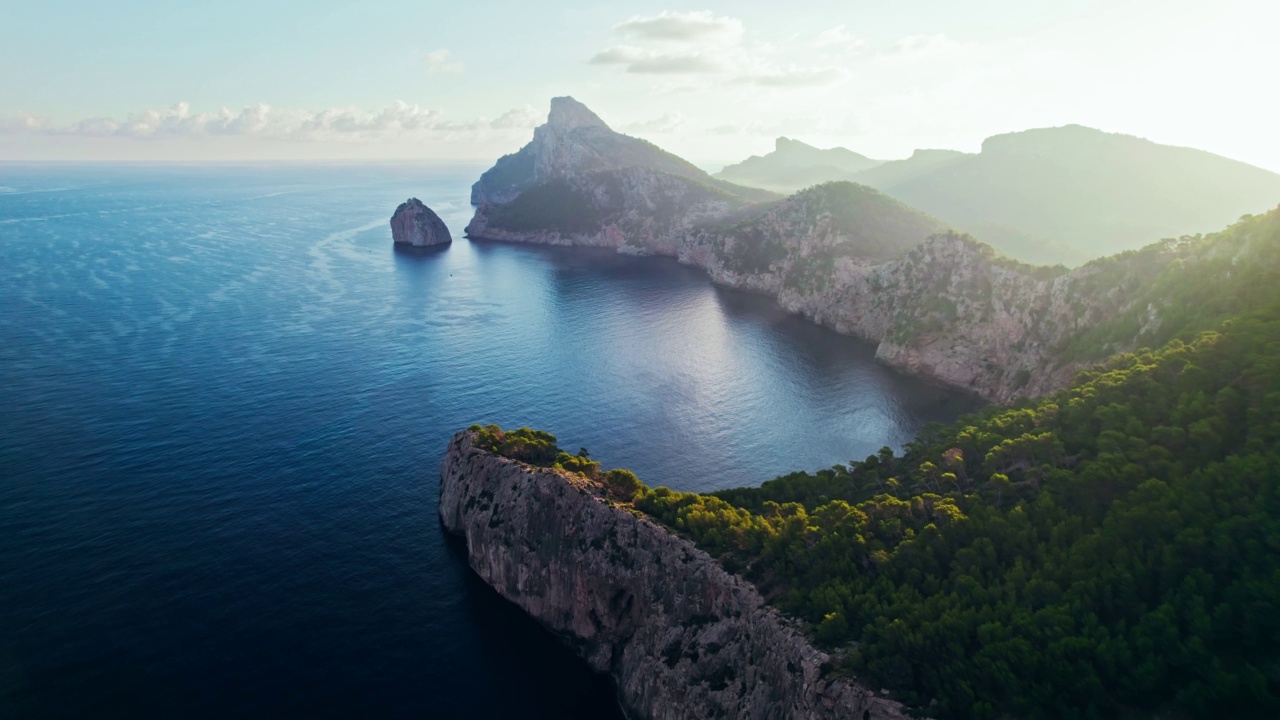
(413, 223)
(580, 183)
(682, 637)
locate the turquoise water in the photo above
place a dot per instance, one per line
(224, 404)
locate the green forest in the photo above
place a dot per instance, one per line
(1112, 550)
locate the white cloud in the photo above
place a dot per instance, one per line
(703, 44)
(840, 39)
(395, 121)
(521, 117)
(438, 62)
(682, 27)
(668, 123)
(837, 35)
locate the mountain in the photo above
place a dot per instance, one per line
(794, 165)
(580, 183)
(895, 172)
(1068, 194)
(1089, 192)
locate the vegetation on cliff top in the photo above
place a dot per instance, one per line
(537, 447)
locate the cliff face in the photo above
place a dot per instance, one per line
(682, 637)
(937, 304)
(416, 224)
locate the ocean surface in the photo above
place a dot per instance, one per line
(224, 401)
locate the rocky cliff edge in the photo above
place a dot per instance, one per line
(681, 637)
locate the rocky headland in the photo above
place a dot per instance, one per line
(681, 637)
(413, 223)
(936, 303)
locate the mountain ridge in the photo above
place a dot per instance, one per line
(1066, 194)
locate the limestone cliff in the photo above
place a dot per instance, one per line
(682, 637)
(413, 223)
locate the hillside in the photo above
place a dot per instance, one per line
(580, 183)
(1092, 192)
(1075, 556)
(1110, 551)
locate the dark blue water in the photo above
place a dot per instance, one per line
(224, 401)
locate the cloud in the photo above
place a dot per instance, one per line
(521, 117)
(648, 62)
(668, 123)
(682, 27)
(839, 38)
(837, 35)
(678, 44)
(395, 121)
(925, 45)
(438, 62)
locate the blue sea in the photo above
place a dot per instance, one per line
(225, 397)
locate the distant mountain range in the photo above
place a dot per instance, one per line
(1051, 195)
(793, 166)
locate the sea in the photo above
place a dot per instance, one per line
(224, 401)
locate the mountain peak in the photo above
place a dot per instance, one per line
(569, 114)
(783, 144)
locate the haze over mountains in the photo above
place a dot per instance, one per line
(1051, 195)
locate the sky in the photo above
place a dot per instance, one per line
(711, 81)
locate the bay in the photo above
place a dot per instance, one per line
(225, 398)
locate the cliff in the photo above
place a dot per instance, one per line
(681, 636)
(413, 223)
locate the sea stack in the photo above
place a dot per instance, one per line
(416, 224)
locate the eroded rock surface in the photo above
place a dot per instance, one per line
(416, 224)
